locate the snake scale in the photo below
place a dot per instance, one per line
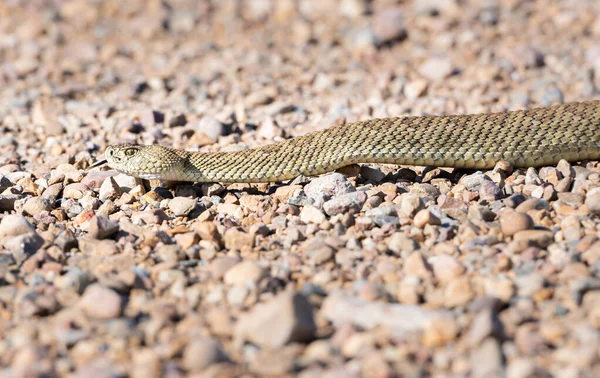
(524, 138)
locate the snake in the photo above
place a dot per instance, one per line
(531, 137)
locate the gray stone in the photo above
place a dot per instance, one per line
(331, 185)
(347, 203)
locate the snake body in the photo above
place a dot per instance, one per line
(524, 138)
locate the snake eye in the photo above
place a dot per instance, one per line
(130, 151)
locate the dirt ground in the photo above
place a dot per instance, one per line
(381, 271)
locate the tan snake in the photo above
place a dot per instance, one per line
(524, 138)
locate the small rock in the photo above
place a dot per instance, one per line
(263, 96)
(101, 227)
(592, 200)
(14, 225)
(126, 182)
(537, 238)
(415, 265)
(24, 245)
(5, 183)
(182, 206)
(388, 25)
(489, 191)
(211, 127)
(346, 203)
(484, 325)
(532, 204)
(514, 221)
(399, 243)
(236, 239)
(221, 265)
(7, 201)
(109, 190)
(436, 69)
(146, 364)
(101, 302)
(399, 318)
(331, 185)
(487, 359)
(285, 319)
(530, 284)
(244, 271)
(75, 190)
(276, 362)
(411, 204)
(200, 354)
(35, 205)
(415, 89)
(311, 214)
(446, 268)
(458, 292)
(70, 173)
(321, 254)
(474, 181)
(425, 217)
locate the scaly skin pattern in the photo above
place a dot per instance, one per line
(527, 138)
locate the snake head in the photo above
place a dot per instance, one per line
(147, 162)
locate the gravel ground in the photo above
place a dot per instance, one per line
(378, 271)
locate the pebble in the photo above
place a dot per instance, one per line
(126, 182)
(514, 221)
(242, 272)
(211, 127)
(426, 217)
(100, 302)
(400, 243)
(200, 354)
(182, 206)
(399, 318)
(592, 200)
(331, 185)
(101, 227)
(287, 318)
(411, 204)
(446, 268)
(75, 190)
(311, 214)
(221, 265)
(474, 181)
(415, 89)
(109, 190)
(436, 68)
(35, 205)
(346, 203)
(538, 238)
(237, 240)
(376, 270)
(458, 292)
(15, 225)
(388, 25)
